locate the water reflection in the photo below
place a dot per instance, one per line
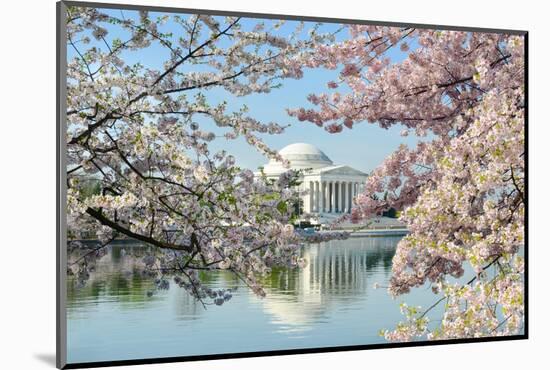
(113, 280)
(336, 275)
(328, 303)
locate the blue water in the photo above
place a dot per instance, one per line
(329, 303)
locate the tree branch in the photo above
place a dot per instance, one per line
(113, 225)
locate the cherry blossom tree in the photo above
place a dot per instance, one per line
(136, 137)
(461, 190)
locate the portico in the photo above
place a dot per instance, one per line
(331, 192)
(328, 190)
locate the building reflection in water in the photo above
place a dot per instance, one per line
(337, 277)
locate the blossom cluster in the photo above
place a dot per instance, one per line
(461, 189)
(140, 163)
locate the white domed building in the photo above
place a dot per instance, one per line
(328, 189)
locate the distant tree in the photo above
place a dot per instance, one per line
(391, 213)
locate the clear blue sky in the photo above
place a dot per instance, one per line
(363, 147)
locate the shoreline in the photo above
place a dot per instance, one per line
(353, 234)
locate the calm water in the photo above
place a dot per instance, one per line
(331, 302)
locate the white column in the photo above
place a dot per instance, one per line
(329, 199)
(312, 187)
(352, 192)
(305, 197)
(323, 195)
(310, 198)
(344, 197)
(316, 196)
(318, 191)
(335, 208)
(347, 197)
(332, 198)
(350, 197)
(328, 208)
(336, 200)
(341, 197)
(303, 187)
(327, 196)
(320, 195)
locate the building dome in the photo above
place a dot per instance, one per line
(302, 152)
(301, 156)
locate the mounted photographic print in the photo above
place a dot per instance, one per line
(235, 184)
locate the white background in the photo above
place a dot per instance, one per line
(27, 197)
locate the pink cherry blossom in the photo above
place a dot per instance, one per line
(461, 190)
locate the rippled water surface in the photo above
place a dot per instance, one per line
(329, 303)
